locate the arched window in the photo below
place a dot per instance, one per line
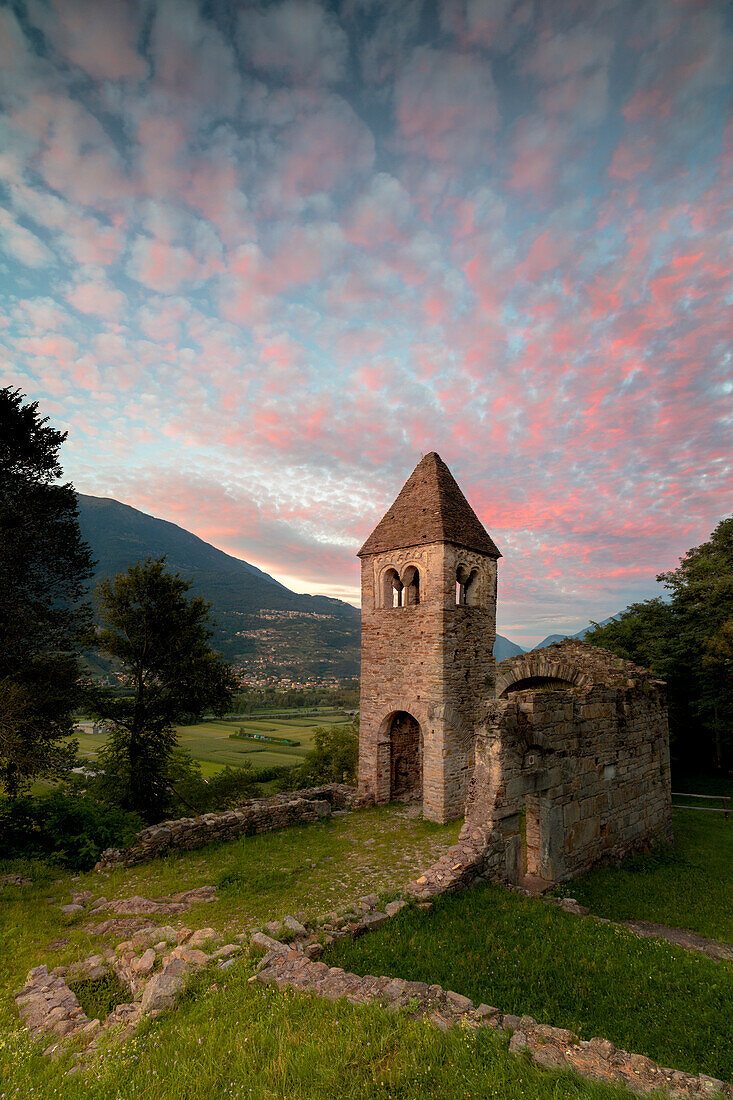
(472, 588)
(392, 589)
(411, 581)
(467, 586)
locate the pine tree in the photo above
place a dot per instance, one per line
(159, 636)
(44, 568)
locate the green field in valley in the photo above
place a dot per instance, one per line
(210, 742)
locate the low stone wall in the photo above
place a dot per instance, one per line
(289, 967)
(259, 815)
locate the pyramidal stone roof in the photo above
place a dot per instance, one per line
(430, 508)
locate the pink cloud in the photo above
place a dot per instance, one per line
(98, 298)
(537, 147)
(22, 244)
(100, 37)
(648, 101)
(164, 267)
(446, 106)
(631, 158)
(52, 346)
(380, 214)
(495, 25)
(86, 239)
(195, 68)
(306, 255)
(76, 157)
(329, 147)
(295, 39)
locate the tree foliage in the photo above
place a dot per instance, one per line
(159, 636)
(64, 826)
(688, 641)
(44, 569)
(334, 758)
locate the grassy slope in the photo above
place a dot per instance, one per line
(284, 1046)
(316, 868)
(237, 1039)
(243, 1041)
(693, 889)
(524, 956)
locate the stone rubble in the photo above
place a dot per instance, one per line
(156, 961)
(15, 880)
(173, 903)
(152, 972)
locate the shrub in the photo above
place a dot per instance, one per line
(334, 758)
(189, 792)
(65, 827)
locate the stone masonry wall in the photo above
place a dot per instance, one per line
(259, 815)
(432, 660)
(585, 769)
(578, 763)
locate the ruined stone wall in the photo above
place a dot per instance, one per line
(258, 815)
(570, 777)
(432, 660)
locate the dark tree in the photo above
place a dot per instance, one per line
(334, 758)
(160, 637)
(688, 641)
(44, 569)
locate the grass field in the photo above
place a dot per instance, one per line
(233, 1039)
(691, 887)
(243, 1042)
(210, 744)
(525, 956)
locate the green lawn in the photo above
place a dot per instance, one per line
(525, 956)
(210, 744)
(236, 1040)
(317, 867)
(520, 955)
(691, 888)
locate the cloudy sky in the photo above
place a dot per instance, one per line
(258, 259)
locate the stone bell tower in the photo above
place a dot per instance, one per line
(428, 607)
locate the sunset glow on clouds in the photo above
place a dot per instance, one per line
(257, 259)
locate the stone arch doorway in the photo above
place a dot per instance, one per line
(405, 757)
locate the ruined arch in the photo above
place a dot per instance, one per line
(537, 672)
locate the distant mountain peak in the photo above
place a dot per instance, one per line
(323, 640)
(579, 636)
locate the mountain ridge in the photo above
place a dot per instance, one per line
(240, 594)
(269, 631)
(580, 635)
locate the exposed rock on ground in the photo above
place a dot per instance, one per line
(123, 907)
(681, 937)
